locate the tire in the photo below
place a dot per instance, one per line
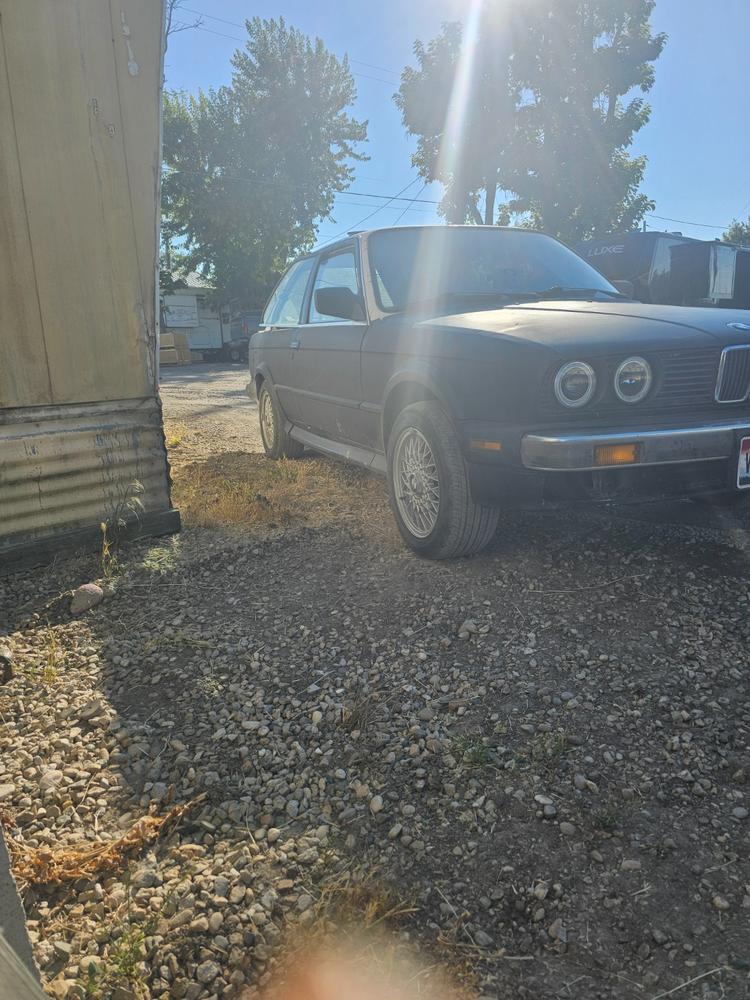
(454, 525)
(276, 440)
(235, 355)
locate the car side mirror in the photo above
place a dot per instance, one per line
(340, 302)
(625, 286)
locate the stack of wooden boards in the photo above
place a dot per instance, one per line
(174, 349)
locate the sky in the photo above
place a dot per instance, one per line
(697, 141)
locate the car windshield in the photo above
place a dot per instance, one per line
(448, 265)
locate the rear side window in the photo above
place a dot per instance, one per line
(337, 271)
(285, 305)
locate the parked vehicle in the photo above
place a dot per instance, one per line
(243, 326)
(482, 368)
(672, 269)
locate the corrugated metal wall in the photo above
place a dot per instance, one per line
(80, 96)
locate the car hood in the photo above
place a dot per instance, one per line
(597, 328)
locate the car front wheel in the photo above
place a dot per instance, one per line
(429, 486)
(276, 441)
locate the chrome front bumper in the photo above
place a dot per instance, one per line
(575, 452)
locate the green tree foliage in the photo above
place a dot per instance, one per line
(252, 167)
(555, 100)
(473, 157)
(739, 233)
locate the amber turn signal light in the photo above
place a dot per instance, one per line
(481, 445)
(616, 454)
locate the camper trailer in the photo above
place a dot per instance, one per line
(673, 269)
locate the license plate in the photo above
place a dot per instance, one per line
(743, 465)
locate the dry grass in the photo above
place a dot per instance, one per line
(356, 947)
(42, 867)
(250, 491)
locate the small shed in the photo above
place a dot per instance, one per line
(80, 416)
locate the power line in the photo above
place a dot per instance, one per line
(379, 209)
(238, 24)
(292, 187)
(410, 208)
(685, 222)
(234, 38)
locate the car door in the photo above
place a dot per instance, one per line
(279, 329)
(325, 364)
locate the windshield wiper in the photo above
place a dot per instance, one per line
(560, 291)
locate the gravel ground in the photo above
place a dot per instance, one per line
(541, 752)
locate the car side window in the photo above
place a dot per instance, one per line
(337, 271)
(285, 305)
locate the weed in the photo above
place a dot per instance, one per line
(122, 968)
(108, 559)
(126, 508)
(359, 711)
(162, 559)
(548, 746)
(604, 819)
(52, 657)
(472, 749)
(174, 433)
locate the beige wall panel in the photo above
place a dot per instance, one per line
(24, 377)
(68, 91)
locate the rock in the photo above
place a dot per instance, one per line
(630, 865)
(483, 940)
(376, 804)
(740, 812)
(92, 710)
(720, 902)
(6, 791)
(567, 829)
(556, 930)
(50, 779)
(85, 598)
(207, 972)
(62, 949)
(273, 835)
(7, 671)
(158, 792)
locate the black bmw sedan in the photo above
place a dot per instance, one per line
(482, 368)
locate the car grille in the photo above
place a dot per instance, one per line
(683, 381)
(733, 381)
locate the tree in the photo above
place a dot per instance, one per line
(172, 27)
(465, 130)
(586, 64)
(739, 233)
(251, 167)
(551, 110)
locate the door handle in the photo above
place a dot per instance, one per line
(294, 344)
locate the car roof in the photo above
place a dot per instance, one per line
(359, 234)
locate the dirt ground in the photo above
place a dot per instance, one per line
(530, 767)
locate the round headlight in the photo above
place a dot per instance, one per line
(575, 383)
(633, 380)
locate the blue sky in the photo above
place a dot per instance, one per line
(697, 142)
